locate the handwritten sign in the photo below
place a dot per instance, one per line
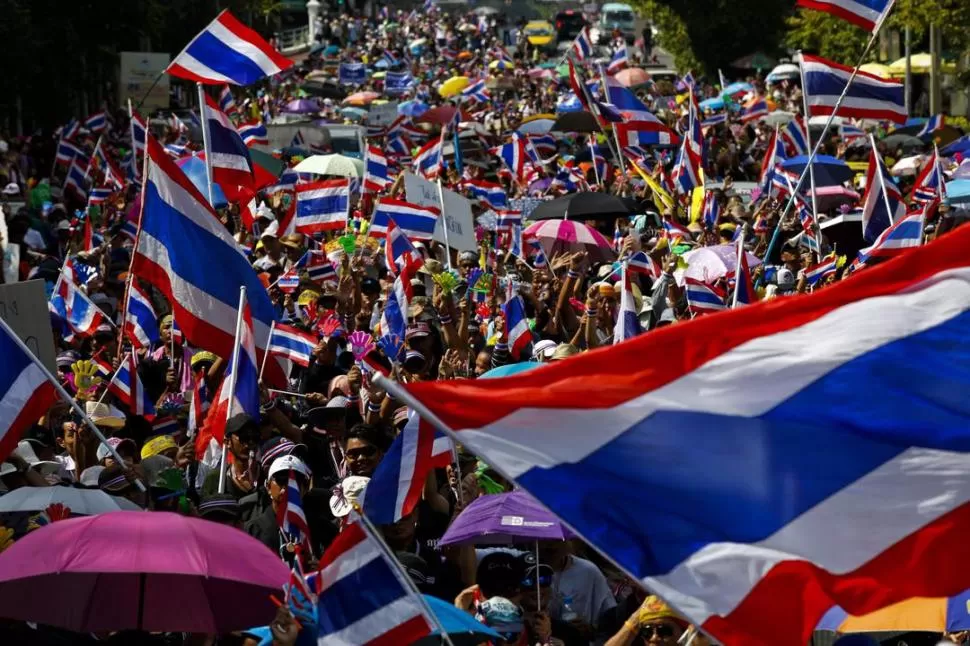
(457, 214)
(24, 307)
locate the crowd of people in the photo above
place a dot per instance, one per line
(329, 424)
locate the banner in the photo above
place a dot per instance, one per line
(24, 307)
(352, 74)
(397, 83)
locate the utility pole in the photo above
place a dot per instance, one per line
(908, 86)
(936, 93)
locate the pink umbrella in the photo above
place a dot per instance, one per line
(562, 236)
(632, 77)
(539, 74)
(135, 571)
(361, 98)
(708, 264)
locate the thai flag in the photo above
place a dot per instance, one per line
(129, 389)
(319, 269)
(538, 255)
(513, 155)
(487, 193)
(628, 318)
(376, 177)
(905, 234)
(177, 151)
(649, 132)
(774, 155)
(508, 219)
(619, 61)
(70, 130)
(544, 145)
(816, 273)
(796, 137)
(231, 163)
(140, 322)
(96, 122)
(290, 517)
(198, 406)
(428, 160)
(297, 141)
(67, 152)
(929, 183)
(675, 230)
(78, 272)
(322, 206)
(583, 45)
(711, 210)
(226, 103)
(178, 227)
(293, 344)
(289, 282)
(227, 51)
(688, 81)
(130, 229)
(882, 204)
(398, 83)
(361, 598)
(934, 123)
(641, 263)
(77, 180)
(744, 293)
(754, 109)
(253, 133)
(398, 250)
(416, 222)
(703, 298)
(25, 392)
(687, 169)
(850, 132)
(429, 6)
(100, 195)
(867, 14)
(477, 92)
(396, 486)
(517, 329)
(245, 399)
(869, 97)
(77, 310)
(449, 54)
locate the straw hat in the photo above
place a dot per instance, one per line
(104, 415)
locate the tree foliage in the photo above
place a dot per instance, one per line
(825, 35)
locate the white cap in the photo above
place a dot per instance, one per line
(288, 463)
(11, 189)
(543, 349)
(349, 491)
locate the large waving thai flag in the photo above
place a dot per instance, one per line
(817, 272)
(905, 234)
(293, 344)
(704, 298)
(627, 318)
(25, 392)
(882, 204)
(231, 164)
(245, 398)
(867, 14)
(77, 310)
(930, 181)
(513, 155)
(869, 96)
(477, 92)
(416, 222)
(396, 486)
(141, 322)
(129, 389)
(228, 51)
(253, 133)
(322, 206)
(376, 177)
(361, 598)
(882, 500)
(178, 229)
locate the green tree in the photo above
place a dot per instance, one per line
(825, 35)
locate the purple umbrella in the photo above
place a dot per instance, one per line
(502, 518)
(135, 571)
(302, 106)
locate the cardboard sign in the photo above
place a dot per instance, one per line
(457, 215)
(24, 307)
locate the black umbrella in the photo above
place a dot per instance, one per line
(908, 143)
(324, 90)
(576, 122)
(582, 206)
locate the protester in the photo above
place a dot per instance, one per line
(315, 431)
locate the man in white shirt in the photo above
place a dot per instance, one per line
(579, 580)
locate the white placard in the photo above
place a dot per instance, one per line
(383, 114)
(24, 307)
(457, 212)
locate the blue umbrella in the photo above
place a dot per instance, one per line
(412, 108)
(461, 627)
(511, 369)
(961, 145)
(194, 169)
(737, 88)
(958, 191)
(570, 104)
(829, 171)
(715, 104)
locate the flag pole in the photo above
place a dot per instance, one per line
(821, 138)
(444, 220)
(371, 532)
(262, 366)
(232, 386)
(882, 180)
(737, 267)
(808, 142)
(206, 145)
(68, 399)
(592, 152)
(400, 393)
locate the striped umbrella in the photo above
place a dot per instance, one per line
(566, 236)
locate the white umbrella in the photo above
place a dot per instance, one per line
(784, 72)
(907, 166)
(82, 502)
(339, 165)
(537, 126)
(707, 264)
(779, 118)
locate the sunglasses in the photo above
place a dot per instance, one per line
(362, 452)
(545, 580)
(247, 438)
(660, 630)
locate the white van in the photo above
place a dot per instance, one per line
(615, 15)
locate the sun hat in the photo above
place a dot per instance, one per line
(114, 443)
(349, 491)
(157, 445)
(544, 349)
(654, 608)
(104, 415)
